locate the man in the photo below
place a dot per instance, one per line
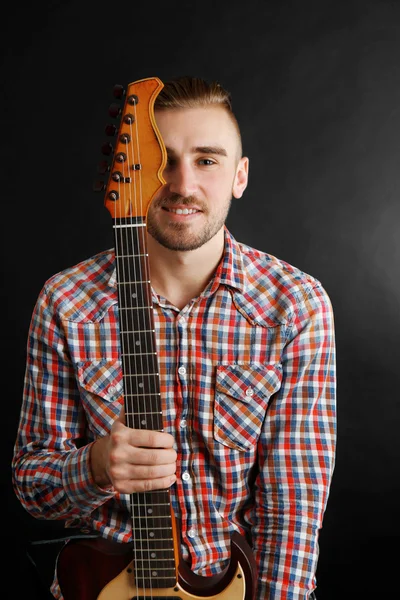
(247, 369)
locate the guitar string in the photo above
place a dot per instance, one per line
(134, 299)
(157, 496)
(123, 279)
(123, 261)
(143, 351)
(154, 401)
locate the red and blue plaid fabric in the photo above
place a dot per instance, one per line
(248, 385)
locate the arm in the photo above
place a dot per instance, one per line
(50, 466)
(59, 470)
(296, 454)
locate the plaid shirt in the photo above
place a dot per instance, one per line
(247, 374)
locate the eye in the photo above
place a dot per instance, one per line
(206, 161)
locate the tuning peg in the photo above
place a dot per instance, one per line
(107, 149)
(103, 167)
(119, 91)
(110, 130)
(114, 110)
(99, 186)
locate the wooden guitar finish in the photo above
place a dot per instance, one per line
(151, 565)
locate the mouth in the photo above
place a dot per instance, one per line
(181, 211)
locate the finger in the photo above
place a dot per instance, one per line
(142, 472)
(144, 485)
(150, 456)
(151, 439)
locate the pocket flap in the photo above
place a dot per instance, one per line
(102, 378)
(244, 382)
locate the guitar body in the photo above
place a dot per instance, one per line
(97, 570)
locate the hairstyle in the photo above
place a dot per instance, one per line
(194, 92)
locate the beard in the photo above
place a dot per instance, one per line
(179, 236)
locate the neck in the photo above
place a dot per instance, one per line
(181, 276)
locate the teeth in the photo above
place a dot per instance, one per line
(183, 211)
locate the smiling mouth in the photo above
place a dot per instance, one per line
(182, 211)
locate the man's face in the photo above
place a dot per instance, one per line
(202, 174)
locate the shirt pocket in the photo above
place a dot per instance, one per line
(242, 393)
(101, 391)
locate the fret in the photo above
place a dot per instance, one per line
(140, 383)
(153, 560)
(166, 553)
(153, 421)
(121, 255)
(151, 424)
(132, 242)
(139, 395)
(126, 354)
(150, 531)
(136, 282)
(132, 268)
(151, 506)
(132, 320)
(131, 294)
(134, 307)
(129, 225)
(139, 331)
(153, 545)
(154, 570)
(138, 341)
(135, 364)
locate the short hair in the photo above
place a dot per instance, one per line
(195, 92)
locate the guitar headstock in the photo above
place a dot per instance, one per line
(136, 155)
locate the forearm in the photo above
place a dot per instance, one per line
(57, 485)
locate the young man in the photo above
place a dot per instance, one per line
(246, 359)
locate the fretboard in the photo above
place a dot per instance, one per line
(153, 552)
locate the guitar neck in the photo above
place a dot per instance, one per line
(152, 531)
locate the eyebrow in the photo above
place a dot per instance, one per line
(219, 150)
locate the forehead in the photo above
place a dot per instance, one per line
(185, 128)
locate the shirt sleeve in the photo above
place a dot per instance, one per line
(297, 454)
(51, 462)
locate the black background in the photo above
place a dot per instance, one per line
(316, 88)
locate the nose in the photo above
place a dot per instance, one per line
(181, 179)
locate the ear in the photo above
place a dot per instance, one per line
(241, 177)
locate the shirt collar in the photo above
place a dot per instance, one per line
(230, 271)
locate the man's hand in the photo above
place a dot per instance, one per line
(133, 460)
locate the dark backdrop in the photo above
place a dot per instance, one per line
(316, 88)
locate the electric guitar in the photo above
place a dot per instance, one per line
(149, 567)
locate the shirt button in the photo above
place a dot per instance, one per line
(182, 371)
(112, 389)
(192, 533)
(185, 476)
(249, 391)
(183, 423)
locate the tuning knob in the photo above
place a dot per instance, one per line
(103, 167)
(119, 91)
(99, 186)
(107, 149)
(114, 110)
(111, 130)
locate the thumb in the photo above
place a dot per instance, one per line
(121, 416)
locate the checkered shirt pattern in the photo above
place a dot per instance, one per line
(247, 375)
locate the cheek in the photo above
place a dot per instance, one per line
(220, 184)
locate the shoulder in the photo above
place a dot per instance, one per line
(279, 289)
(83, 290)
